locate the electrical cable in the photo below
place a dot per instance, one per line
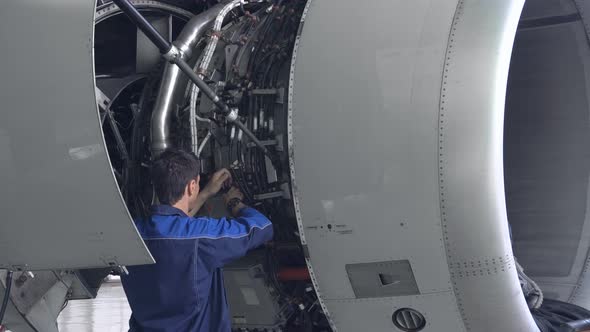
(7, 288)
(202, 146)
(538, 301)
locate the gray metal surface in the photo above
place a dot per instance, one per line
(147, 54)
(547, 8)
(36, 301)
(364, 145)
(13, 319)
(26, 293)
(397, 154)
(43, 315)
(396, 143)
(60, 204)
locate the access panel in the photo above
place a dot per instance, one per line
(60, 204)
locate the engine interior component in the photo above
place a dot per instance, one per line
(243, 52)
(253, 305)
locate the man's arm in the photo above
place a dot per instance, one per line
(213, 187)
(233, 238)
(201, 200)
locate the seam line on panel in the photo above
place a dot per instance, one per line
(441, 158)
(291, 153)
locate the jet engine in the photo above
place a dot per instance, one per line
(424, 163)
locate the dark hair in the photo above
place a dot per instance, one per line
(171, 172)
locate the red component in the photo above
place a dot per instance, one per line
(294, 274)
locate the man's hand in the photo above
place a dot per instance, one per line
(211, 189)
(234, 193)
(216, 182)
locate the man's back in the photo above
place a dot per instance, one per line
(184, 290)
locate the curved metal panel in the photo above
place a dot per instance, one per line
(392, 164)
(61, 207)
(364, 148)
(473, 205)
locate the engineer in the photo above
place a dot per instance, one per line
(184, 290)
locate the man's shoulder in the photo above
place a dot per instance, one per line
(243, 225)
(161, 227)
(166, 226)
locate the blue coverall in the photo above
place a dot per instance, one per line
(184, 290)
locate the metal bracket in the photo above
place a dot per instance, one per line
(173, 54)
(232, 116)
(283, 193)
(123, 270)
(103, 100)
(264, 143)
(22, 279)
(280, 96)
(103, 103)
(115, 265)
(261, 197)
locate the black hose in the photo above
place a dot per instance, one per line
(554, 316)
(577, 326)
(306, 321)
(6, 296)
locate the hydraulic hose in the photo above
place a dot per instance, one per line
(6, 297)
(538, 292)
(577, 326)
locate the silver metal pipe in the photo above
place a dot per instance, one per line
(187, 40)
(194, 29)
(163, 109)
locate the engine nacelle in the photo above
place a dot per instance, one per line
(413, 146)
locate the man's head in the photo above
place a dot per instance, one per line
(175, 175)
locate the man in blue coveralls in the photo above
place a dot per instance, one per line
(184, 290)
